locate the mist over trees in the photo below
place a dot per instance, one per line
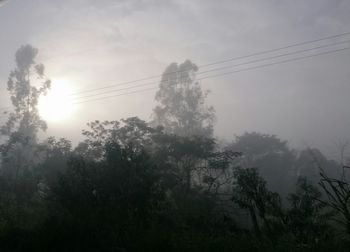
(164, 185)
(181, 108)
(24, 122)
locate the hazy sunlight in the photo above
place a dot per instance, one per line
(57, 105)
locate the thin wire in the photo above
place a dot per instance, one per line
(217, 62)
(112, 96)
(116, 90)
(221, 68)
(226, 73)
(278, 49)
(275, 63)
(274, 57)
(224, 61)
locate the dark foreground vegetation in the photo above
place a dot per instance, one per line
(164, 185)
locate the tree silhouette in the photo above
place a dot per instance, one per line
(181, 105)
(21, 201)
(25, 84)
(271, 156)
(250, 192)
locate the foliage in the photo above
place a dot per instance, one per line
(181, 108)
(250, 192)
(129, 132)
(338, 194)
(310, 160)
(25, 84)
(272, 156)
(129, 186)
(307, 217)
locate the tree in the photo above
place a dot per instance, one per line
(25, 83)
(21, 207)
(250, 192)
(55, 155)
(338, 195)
(307, 217)
(181, 105)
(334, 183)
(187, 120)
(132, 132)
(111, 191)
(271, 155)
(309, 161)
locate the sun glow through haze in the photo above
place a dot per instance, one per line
(57, 105)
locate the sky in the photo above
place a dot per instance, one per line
(92, 44)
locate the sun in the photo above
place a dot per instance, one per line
(57, 105)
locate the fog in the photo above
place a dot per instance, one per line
(99, 43)
(149, 125)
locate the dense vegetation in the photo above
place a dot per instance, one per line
(166, 185)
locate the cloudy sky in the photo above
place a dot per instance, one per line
(99, 43)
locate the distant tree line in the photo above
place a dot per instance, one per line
(164, 185)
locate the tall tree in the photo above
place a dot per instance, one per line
(21, 207)
(181, 105)
(25, 84)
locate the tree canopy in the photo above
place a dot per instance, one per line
(165, 185)
(182, 108)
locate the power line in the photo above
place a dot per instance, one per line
(276, 63)
(226, 73)
(112, 96)
(218, 62)
(275, 56)
(206, 77)
(222, 68)
(115, 90)
(279, 48)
